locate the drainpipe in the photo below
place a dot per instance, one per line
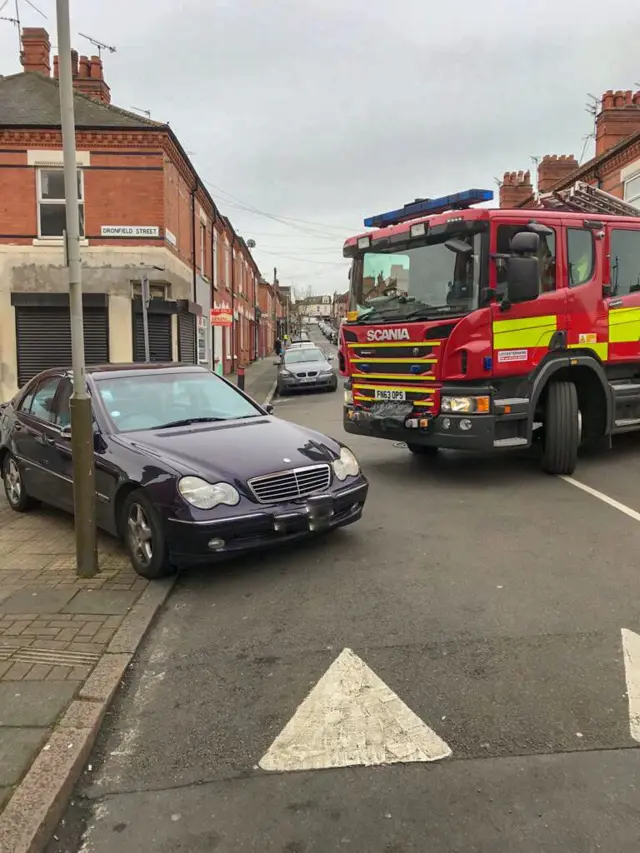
(235, 361)
(214, 275)
(193, 242)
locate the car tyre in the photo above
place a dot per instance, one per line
(422, 449)
(561, 429)
(144, 537)
(14, 487)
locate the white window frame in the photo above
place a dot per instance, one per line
(51, 201)
(635, 199)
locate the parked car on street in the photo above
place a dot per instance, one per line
(304, 369)
(188, 468)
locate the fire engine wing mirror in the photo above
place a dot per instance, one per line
(523, 279)
(459, 247)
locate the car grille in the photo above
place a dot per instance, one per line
(311, 373)
(289, 485)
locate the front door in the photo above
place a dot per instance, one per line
(522, 333)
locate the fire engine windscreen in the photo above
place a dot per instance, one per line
(418, 281)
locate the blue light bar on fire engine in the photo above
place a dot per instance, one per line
(429, 206)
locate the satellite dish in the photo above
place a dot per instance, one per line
(251, 244)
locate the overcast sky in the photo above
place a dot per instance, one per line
(304, 116)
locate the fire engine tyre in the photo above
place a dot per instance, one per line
(561, 429)
(422, 449)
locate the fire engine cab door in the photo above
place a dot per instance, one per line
(523, 333)
(587, 314)
(623, 249)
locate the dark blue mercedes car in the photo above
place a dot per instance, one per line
(188, 468)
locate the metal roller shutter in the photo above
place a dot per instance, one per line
(160, 344)
(187, 337)
(44, 339)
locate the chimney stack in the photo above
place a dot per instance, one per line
(516, 189)
(553, 168)
(36, 50)
(618, 118)
(88, 77)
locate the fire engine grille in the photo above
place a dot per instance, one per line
(290, 485)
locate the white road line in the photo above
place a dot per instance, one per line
(631, 652)
(352, 718)
(605, 498)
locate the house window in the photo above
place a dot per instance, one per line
(203, 238)
(52, 218)
(227, 262)
(632, 190)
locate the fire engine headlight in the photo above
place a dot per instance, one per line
(465, 405)
(348, 397)
(346, 465)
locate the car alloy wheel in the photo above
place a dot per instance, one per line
(140, 535)
(13, 482)
(14, 488)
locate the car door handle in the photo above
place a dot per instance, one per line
(45, 439)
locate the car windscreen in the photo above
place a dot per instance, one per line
(153, 400)
(304, 354)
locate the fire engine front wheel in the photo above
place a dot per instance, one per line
(561, 429)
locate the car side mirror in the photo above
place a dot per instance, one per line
(65, 432)
(330, 358)
(269, 409)
(523, 279)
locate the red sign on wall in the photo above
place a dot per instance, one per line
(220, 317)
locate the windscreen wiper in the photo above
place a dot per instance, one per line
(377, 314)
(189, 421)
(423, 312)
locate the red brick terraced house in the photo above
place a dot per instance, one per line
(614, 169)
(144, 212)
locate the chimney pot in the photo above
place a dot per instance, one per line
(84, 67)
(96, 68)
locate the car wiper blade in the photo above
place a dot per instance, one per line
(189, 421)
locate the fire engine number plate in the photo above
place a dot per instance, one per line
(391, 396)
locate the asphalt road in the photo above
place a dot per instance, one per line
(487, 596)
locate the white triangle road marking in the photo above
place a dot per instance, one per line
(631, 653)
(352, 718)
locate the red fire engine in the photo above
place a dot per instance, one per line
(481, 329)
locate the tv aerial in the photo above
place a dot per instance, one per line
(100, 45)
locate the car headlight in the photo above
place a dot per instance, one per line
(326, 371)
(203, 495)
(284, 372)
(346, 465)
(465, 405)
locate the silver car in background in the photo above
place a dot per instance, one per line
(304, 369)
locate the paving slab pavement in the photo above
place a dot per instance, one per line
(260, 379)
(65, 643)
